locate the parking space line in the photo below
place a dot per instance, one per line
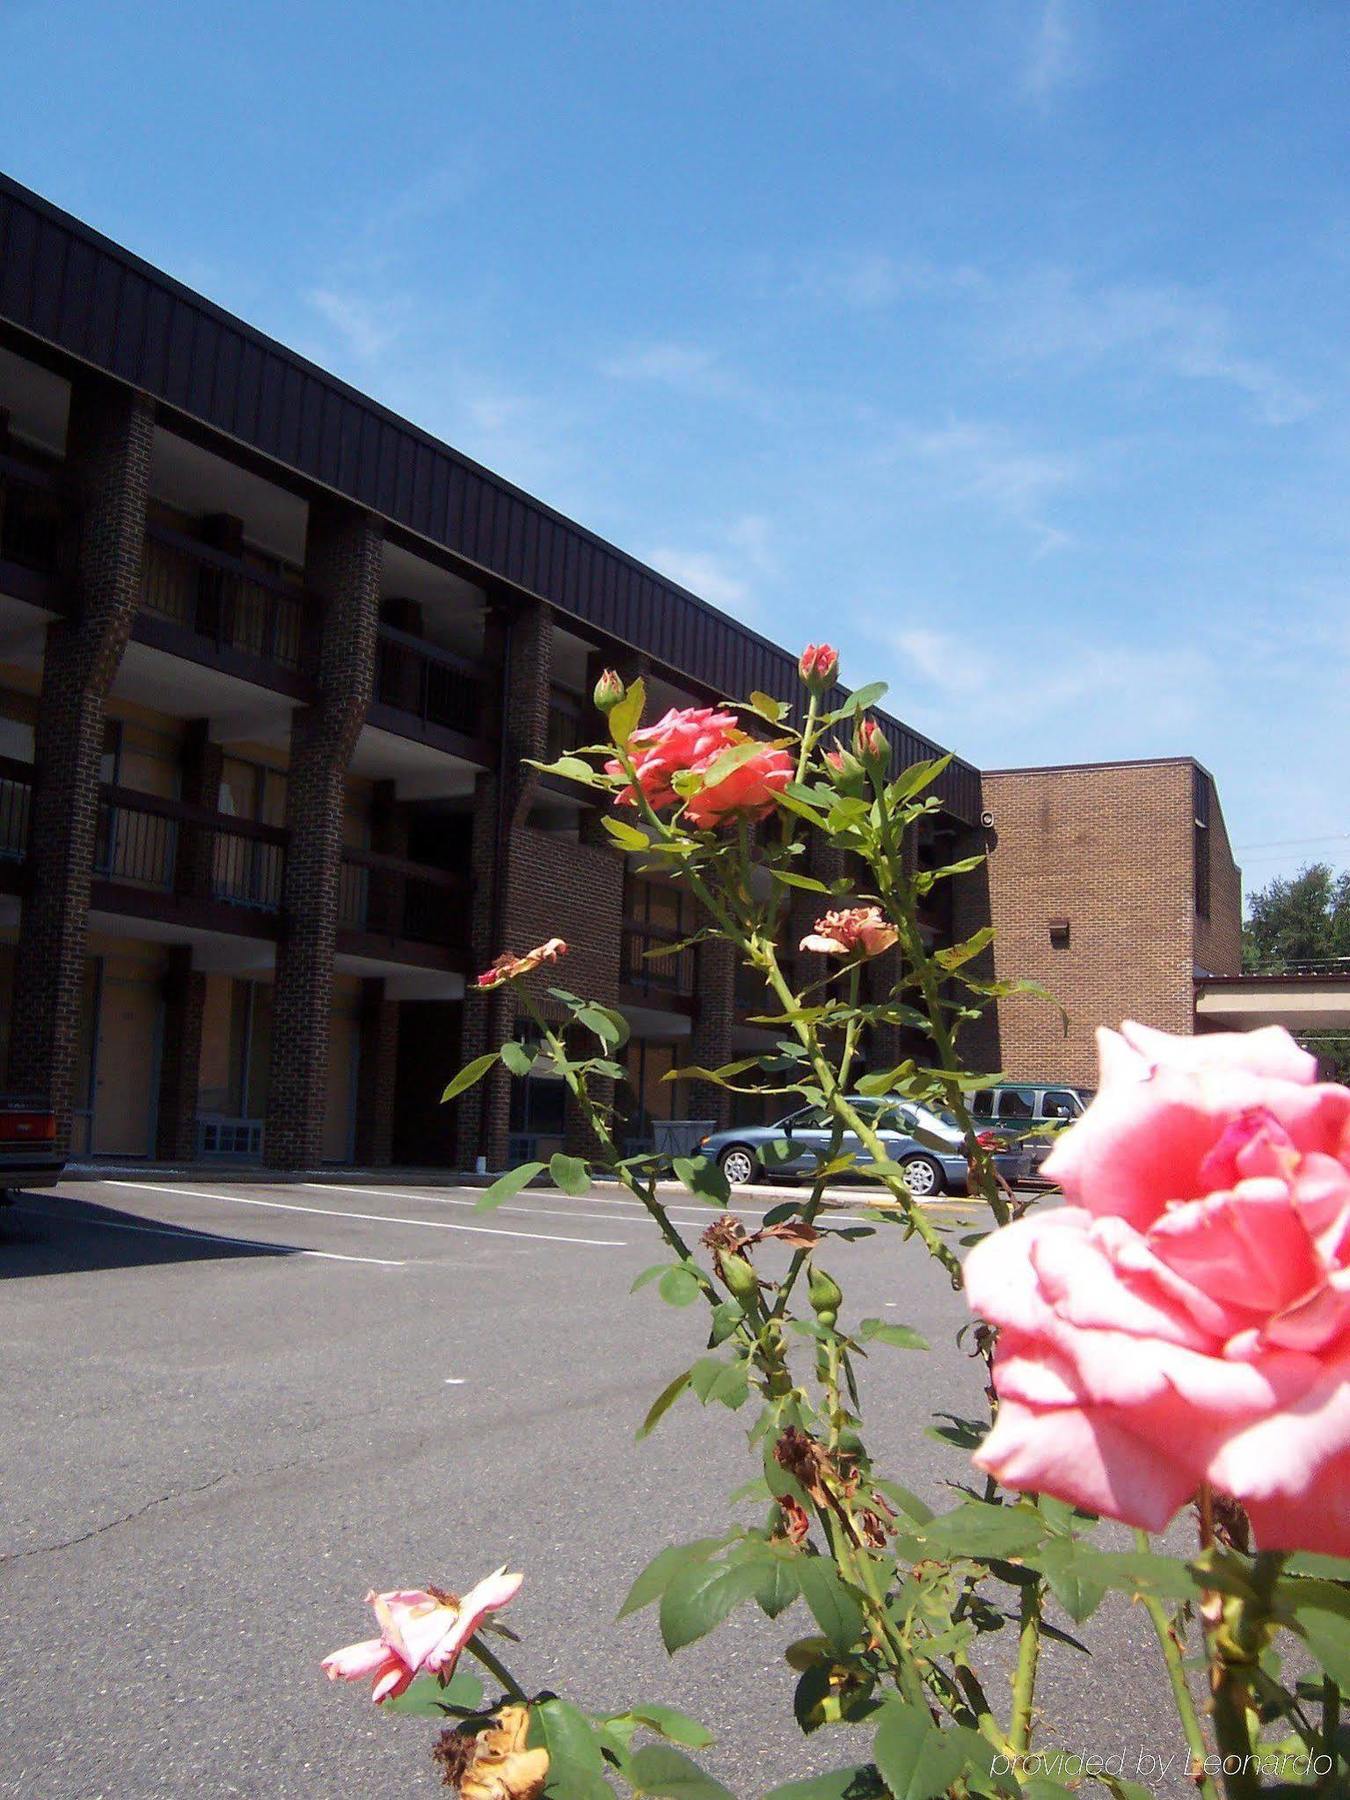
(674, 1207)
(340, 1212)
(217, 1237)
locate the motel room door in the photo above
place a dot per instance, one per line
(126, 1067)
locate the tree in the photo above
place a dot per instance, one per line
(1304, 924)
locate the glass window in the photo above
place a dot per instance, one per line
(1060, 1104)
(1017, 1103)
(982, 1104)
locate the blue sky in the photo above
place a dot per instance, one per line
(1002, 342)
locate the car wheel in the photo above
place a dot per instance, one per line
(738, 1165)
(923, 1176)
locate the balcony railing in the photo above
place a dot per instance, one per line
(166, 846)
(221, 598)
(393, 897)
(429, 684)
(16, 794)
(30, 515)
(655, 962)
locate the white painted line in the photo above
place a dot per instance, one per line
(443, 1198)
(339, 1212)
(212, 1237)
(455, 1380)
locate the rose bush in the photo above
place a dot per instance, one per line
(1186, 1318)
(1179, 1328)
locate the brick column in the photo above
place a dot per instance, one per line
(710, 1046)
(180, 1058)
(520, 645)
(376, 1076)
(342, 567)
(108, 465)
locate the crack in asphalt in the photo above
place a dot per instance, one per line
(13, 1556)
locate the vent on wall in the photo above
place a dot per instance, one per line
(1059, 933)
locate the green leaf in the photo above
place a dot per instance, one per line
(571, 766)
(660, 1769)
(1070, 1579)
(915, 778)
(978, 1529)
(726, 1316)
(703, 1179)
(767, 707)
(732, 1387)
(1322, 1609)
(663, 1403)
(606, 1025)
(884, 1080)
(667, 1723)
(679, 1286)
(790, 878)
(956, 954)
(727, 761)
(832, 1604)
(569, 1173)
(508, 1185)
(907, 1502)
(627, 715)
(470, 1073)
(902, 1337)
(576, 1766)
(649, 1274)
(517, 1058)
(859, 1781)
(777, 1585)
(661, 1571)
(862, 698)
(626, 836)
(915, 1758)
(700, 1596)
(425, 1698)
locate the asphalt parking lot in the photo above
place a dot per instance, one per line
(232, 1409)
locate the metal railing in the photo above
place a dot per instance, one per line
(222, 598)
(426, 682)
(16, 800)
(168, 846)
(399, 898)
(30, 515)
(655, 962)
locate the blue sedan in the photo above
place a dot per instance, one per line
(926, 1143)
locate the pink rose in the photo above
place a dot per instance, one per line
(1186, 1318)
(749, 790)
(864, 928)
(421, 1629)
(818, 666)
(684, 738)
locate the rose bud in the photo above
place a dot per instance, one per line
(844, 770)
(870, 745)
(609, 690)
(819, 667)
(825, 1293)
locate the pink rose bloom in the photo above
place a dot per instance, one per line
(864, 928)
(748, 791)
(1186, 1317)
(818, 666)
(421, 1630)
(685, 738)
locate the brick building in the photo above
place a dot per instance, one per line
(1114, 886)
(270, 660)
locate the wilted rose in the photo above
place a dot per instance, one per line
(511, 968)
(864, 929)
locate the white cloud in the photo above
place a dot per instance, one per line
(972, 460)
(871, 280)
(1054, 58)
(725, 577)
(684, 366)
(367, 330)
(1050, 316)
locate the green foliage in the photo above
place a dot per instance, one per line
(505, 1187)
(426, 1698)
(570, 1174)
(468, 1075)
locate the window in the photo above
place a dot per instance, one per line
(1200, 790)
(1017, 1103)
(982, 1104)
(1060, 1104)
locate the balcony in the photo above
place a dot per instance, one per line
(169, 859)
(655, 962)
(220, 608)
(30, 528)
(423, 691)
(388, 898)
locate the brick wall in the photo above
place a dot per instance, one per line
(1109, 849)
(1218, 939)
